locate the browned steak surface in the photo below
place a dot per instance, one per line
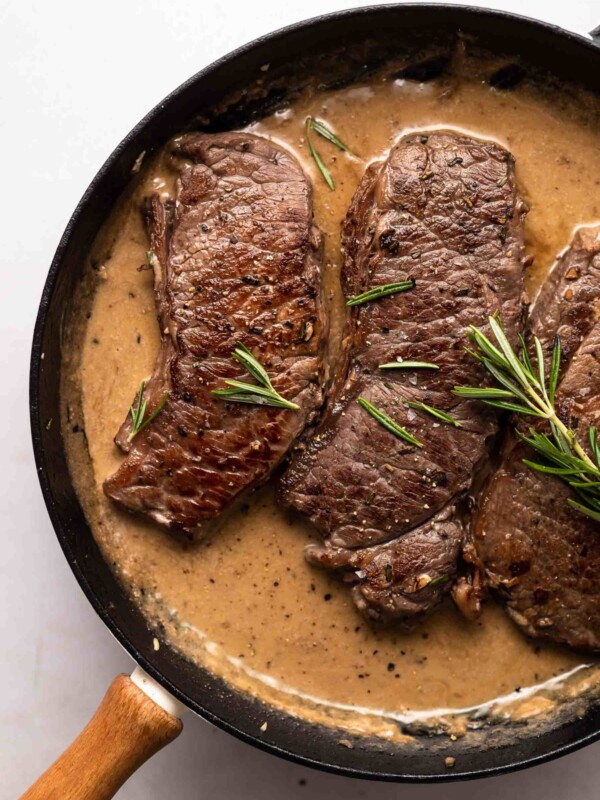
(237, 259)
(541, 556)
(442, 209)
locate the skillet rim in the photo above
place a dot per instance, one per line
(462, 13)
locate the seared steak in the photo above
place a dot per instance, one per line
(237, 259)
(541, 556)
(442, 209)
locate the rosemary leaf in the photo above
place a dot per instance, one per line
(505, 406)
(583, 509)
(388, 423)
(481, 393)
(409, 365)
(475, 355)
(526, 358)
(551, 470)
(254, 367)
(539, 353)
(138, 412)
(561, 437)
(488, 350)
(509, 353)
(437, 581)
(505, 381)
(554, 370)
(435, 412)
(386, 289)
(594, 445)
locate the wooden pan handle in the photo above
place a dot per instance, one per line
(125, 731)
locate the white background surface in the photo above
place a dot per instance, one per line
(76, 76)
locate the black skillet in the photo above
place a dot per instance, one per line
(224, 95)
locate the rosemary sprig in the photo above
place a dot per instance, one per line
(435, 412)
(261, 394)
(386, 289)
(321, 129)
(527, 389)
(317, 158)
(139, 420)
(409, 365)
(326, 133)
(389, 423)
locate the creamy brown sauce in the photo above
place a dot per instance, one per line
(244, 602)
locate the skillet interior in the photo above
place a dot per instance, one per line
(221, 98)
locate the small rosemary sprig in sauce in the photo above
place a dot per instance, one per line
(388, 423)
(526, 389)
(261, 394)
(318, 127)
(139, 420)
(409, 365)
(323, 130)
(435, 412)
(386, 289)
